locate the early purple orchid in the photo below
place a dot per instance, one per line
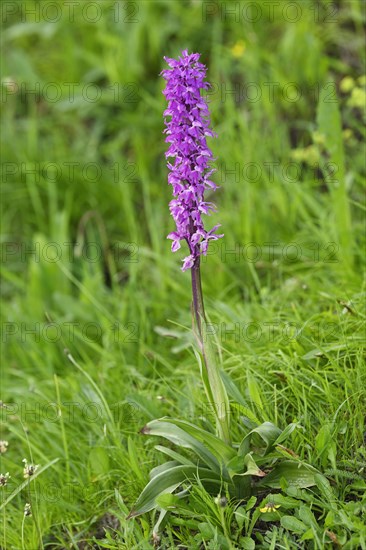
(189, 176)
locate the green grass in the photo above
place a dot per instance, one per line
(88, 269)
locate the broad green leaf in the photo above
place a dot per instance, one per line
(236, 465)
(240, 489)
(326, 445)
(244, 447)
(241, 513)
(286, 432)
(244, 466)
(174, 455)
(296, 474)
(222, 451)
(307, 516)
(232, 389)
(252, 469)
(240, 516)
(247, 543)
(251, 503)
(284, 451)
(299, 494)
(294, 525)
(180, 437)
(162, 468)
(267, 431)
(326, 490)
(248, 418)
(174, 503)
(216, 394)
(308, 535)
(167, 482)
(206, 530)
(204, 378)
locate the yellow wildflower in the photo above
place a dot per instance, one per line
(269, 507)
(347, 84)
(238, 49)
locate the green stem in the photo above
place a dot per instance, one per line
(198, 305)
(214, 387)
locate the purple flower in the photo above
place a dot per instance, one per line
(186, 131)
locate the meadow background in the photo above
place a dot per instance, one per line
(87, 267)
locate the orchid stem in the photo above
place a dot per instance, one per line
(198, 305)
(214, 387)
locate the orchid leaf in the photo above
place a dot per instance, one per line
(174, 455)
(296, 474)
(180, 437)
(221, 450)
(268, 432)
(166, 482)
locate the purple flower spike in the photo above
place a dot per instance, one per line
(186, 132)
